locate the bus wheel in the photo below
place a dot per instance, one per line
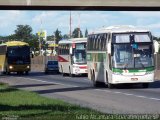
(63, 74)
(70, 74)
(145, 85)
(26, 72)
(95, 83)
(110, 86)
(7, 72)
(18, 73)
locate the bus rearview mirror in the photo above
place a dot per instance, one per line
(156, 46)
(70, 50)
(109, 48)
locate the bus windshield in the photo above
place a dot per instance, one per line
(137, 55)
(18, 51)
(80, 56)
(18, 55)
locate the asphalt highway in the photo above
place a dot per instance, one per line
(123, 99)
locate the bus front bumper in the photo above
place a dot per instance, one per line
(117, 79)
(19, 68)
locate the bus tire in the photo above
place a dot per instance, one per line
(110, 86)
(145, 85)
(4, 72)
(62, 71)
(26, 72)
(95, 83)
(70, 74)
(63, 74)
(7, 72)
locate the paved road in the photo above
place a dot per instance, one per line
(79, 90)
(151, 3)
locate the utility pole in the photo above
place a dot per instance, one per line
(70, 25)
(79, 34)
(54, 46)
(39, 45)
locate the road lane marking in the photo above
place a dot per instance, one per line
(155, 99)
(108, 91)
(128, 94)
(31, 79)
(102, 90)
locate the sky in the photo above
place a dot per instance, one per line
(90, 20)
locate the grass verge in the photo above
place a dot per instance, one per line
(24, 105)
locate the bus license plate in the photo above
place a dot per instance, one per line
(134, 79)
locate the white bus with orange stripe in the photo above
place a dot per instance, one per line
(72, 56)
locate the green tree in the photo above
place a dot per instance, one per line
(75, 33)
(23, 32)
(11, 37)
(58, 36)
(86, 33)
(50, 38)
(156, 38)
(65, 36)
(34, 42)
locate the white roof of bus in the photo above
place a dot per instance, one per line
(73, 40)
(120, 29)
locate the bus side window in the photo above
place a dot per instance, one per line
(88, 42)
(97, 42)
(94, 42)
(100, 41)
(104, 42)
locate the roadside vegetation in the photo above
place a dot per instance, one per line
(24, 105)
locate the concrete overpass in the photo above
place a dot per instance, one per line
(80, 4)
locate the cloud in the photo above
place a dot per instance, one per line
(43, 16)
(9, 19)
(91, 20)
(142, 14)
(50, 20)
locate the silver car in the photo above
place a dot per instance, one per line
(51, 66)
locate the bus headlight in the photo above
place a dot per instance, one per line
(117, 73)
(10, 67)
(150, 72)
(77, 67)
(28, 67)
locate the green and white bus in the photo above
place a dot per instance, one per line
(121, 54)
